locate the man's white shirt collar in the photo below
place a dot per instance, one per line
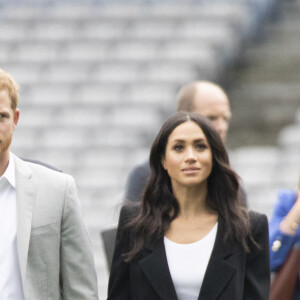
(10, 172)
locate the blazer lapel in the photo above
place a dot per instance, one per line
(155, 267)
(25, 193)
(219, 271)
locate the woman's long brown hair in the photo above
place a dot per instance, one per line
(159, 207)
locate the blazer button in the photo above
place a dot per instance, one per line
(276, 245)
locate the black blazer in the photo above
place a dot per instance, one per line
(232, 274)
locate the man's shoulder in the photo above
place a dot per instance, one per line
(41, 171)
(41, 163)
(142, 169)
(136, 181)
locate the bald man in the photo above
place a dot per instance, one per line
(209, 100)
(203, 97)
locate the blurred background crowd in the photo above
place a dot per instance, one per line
(98, 78)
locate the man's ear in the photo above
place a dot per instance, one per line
(16, 117)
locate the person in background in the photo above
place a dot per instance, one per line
(284, 229)
(202, 97)
(45, 250)
(190, 237)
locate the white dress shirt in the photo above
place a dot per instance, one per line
(11, 287)
(187, 264)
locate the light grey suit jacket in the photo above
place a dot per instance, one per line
(54, 247)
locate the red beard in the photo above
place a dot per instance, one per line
(4, 144)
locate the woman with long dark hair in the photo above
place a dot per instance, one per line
(190, 238)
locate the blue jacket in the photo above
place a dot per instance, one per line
(281, 243)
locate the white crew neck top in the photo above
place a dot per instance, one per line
(188, 262)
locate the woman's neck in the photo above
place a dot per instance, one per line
(191, 200)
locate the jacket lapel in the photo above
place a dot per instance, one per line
(155, 267)
(219, 271)
(25, 193)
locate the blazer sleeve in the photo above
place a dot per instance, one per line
(77, 268)
(119, 280)
(281, 243)
(257, 273)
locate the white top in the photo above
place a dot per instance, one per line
(188, 263)
(10, 275)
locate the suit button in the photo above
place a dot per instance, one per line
(276, 245)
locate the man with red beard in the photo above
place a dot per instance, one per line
(9, 116)
(45, 249)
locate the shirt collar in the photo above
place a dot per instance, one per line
(10, 173)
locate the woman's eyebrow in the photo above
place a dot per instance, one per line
(179, 141)
(183, 140)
